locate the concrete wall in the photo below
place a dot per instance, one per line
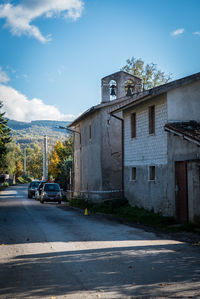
(183, 103)
(193, 176)
(120, 78)
(87, 156)
(183, 150)
(147, 150)
(111, 154)
(98, 161)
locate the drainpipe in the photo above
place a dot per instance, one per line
(122, 122)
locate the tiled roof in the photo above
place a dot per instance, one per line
(188, 130)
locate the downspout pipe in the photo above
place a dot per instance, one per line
(122, 127)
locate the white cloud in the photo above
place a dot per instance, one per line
(196, 33)
(18, 107)
(177, 32)
(19, 17)
(3, 76)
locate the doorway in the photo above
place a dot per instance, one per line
(181, 191)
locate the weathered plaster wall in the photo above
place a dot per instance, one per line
(111, 157)
(193, 176)
(87, 156)
(184, 102)
(120, 78)
(183, 150)
(98, 161)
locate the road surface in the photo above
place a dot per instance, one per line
(49, 252)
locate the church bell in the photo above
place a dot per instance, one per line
(113, 90)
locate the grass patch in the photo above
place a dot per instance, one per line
(121, 209)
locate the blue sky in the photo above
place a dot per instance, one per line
(53, 54)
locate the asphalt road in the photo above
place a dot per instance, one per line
(49, 252)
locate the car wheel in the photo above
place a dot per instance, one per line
(59, 202)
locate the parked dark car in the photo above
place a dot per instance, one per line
(39, 190)
(51, 192)
(32, 187)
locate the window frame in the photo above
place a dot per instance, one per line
(151, 111)
(133, 125)
(90, 132)
(133, 173)
(152, 173)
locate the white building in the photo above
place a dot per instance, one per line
(161, 149)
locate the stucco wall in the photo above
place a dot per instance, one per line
(193, 176)
(98, 161)
(111, 157)
(183, 150)
(87, 156)
(184, 102)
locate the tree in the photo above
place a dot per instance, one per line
(18, 168)
(4, 139)
(149, 73)
(14, 154)
(34, 161)
(61, 162)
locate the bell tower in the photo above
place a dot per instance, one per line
(119, 85)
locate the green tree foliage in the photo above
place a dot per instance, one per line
(34, 161)
(61, 162)
(18, 168)
(4, 139)
(149, 73)
(14, 154)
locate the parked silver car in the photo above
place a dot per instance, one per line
(39, 190)
(32, 187)
(51, 192)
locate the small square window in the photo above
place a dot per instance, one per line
(152, 173)
(133, 173)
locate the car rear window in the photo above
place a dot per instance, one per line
(35, 184)
(51, 187)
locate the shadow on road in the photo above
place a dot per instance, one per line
(100, 268)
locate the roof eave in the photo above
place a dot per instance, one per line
(179, 133)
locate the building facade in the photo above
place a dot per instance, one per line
(98, 140)
(161, 149)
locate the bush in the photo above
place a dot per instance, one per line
(79, 202)
(4, 186)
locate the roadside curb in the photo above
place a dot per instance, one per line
(187, 237)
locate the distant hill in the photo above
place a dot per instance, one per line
(34, 131)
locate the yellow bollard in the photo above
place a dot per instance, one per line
(86, 212)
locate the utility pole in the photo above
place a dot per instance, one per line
(45, 165)
(25, 161)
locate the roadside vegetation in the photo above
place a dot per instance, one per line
(60, 163)
(120, 209)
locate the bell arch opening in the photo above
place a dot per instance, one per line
(129, 87)
(113, 89)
